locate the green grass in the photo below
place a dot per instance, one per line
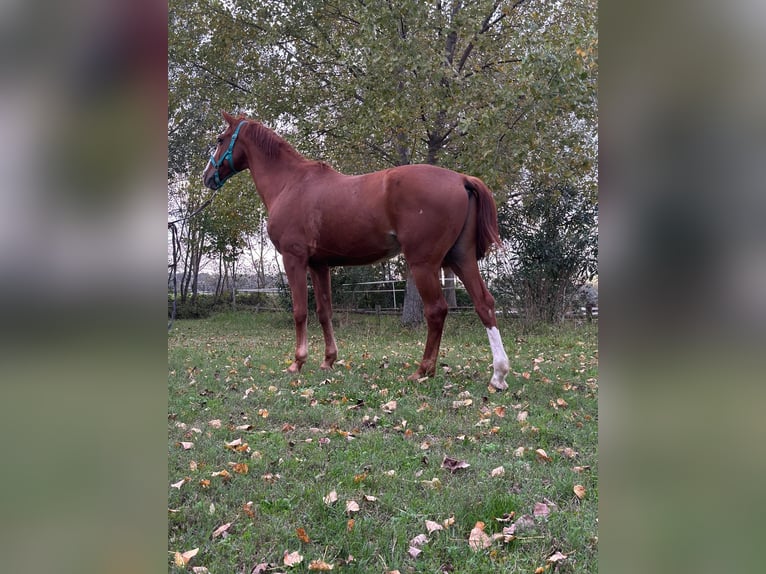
(325, 431)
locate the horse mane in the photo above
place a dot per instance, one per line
(270, 143)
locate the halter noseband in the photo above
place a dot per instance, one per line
(228, 155)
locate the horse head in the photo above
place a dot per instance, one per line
(226, 155)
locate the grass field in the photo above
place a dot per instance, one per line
(360, 470)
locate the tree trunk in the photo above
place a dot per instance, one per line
(412, 310)
(449, 288)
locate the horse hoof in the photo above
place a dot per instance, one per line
(325, 366)
(499, 384)
(294, 368)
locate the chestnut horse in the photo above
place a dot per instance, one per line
(319, 218)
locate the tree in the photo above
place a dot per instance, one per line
(552, 233)
(498, 89)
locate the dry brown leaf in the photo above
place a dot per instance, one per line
(562, 403)
(224, 474)
(542, 455)
(434, 483)
(221, 529)
(413, 551)
(182, 558)
(350, 524)
(579, 491)
(453, 465)
(499, 411)
(541, 509)
(499, 471)
(320, 565)
(248, 509)
(580, 468)
(462, 403)
(352, 506)
(215, 423)
(519, 452)
(200, 570)
(539, 570)
(234, 443)
(389, 407)
(186, 445)
(261, 568)
(370, 498)
(432, 526)
(302, 536)
(556, 557)
(204, 483)
(240, 468)
(292, 558)
(522, 416)
(569, 452)
(449, 522)
(478, 539)
(180, 483)
(331, 498)
(419, 540)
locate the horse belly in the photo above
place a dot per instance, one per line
(356, 249)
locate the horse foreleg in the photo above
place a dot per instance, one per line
(296, 278)
(320, 277)
(435, 308)
(484, 303)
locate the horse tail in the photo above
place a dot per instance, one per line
(487, 233)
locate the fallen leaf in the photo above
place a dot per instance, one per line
(524, 523)
(370, 498)
(182, 558)
(432, 526)
(419, 540)
(453, 465)
(433, 483)
(330, 498)
(292, 558)
(215, 423)
(350, 524)
(193, 465)
(244, 427)
(556, 557)
(579, 491)
(541, 509)
(180, 483)
(389, 407)
(539, 570)
(522, 416)
(221, 529)
(204, 483)
(519, 452)
(224, 474)
(562, 403)
(580, 468)
(413, 551)
(449, 522)
(352, 506)
(320, 565)
(499, 411)
(542, 455)
(499, 471)
(200, 570)
(260, 568)
(478, 539)
(462, 403)
(240, 468)
(186, 445)
(302, 536)
(232, 444)
(248, 509)
(569, 452)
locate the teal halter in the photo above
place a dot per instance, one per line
(228, 155)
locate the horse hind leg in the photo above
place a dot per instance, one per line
(435, 308)
(320, 277)
(468, 271)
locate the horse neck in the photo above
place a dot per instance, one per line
(272, 175)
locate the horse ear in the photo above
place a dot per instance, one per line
(229, 119)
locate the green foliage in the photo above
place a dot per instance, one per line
(552, 233)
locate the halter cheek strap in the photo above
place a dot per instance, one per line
(226, 156)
